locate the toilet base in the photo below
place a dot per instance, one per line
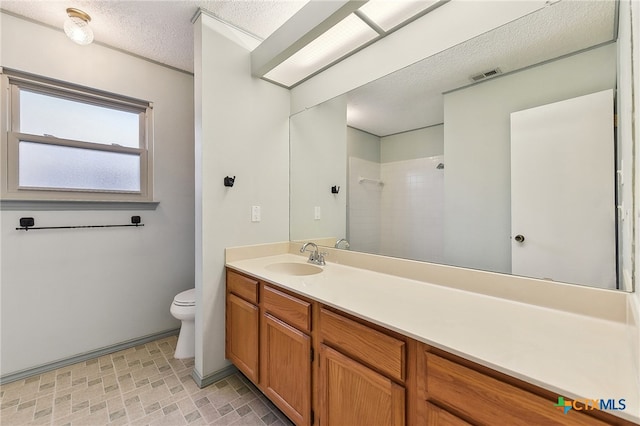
(186, 346)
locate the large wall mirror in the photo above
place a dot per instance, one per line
(499, 154)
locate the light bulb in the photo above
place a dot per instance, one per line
(76, 27)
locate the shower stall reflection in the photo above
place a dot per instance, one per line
(403, 217)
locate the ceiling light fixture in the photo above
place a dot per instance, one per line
(390, 14)
(339, 40)
(311, 53)
(76, 26)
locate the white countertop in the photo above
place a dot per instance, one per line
(574, 355)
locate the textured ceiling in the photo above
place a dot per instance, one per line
(412, 98)
(160, 30)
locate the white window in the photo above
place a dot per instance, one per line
(65, 142)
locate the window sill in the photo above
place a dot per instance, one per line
(51, 205)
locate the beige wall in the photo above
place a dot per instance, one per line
(242, 130)
(318, 151)
(363, 145)
(420, 143)
(67, 292)
(634, 301)
(477, 153)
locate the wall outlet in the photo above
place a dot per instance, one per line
(255, 214)
(317, 213)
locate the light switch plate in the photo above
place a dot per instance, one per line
(317, 213)
(255, 214)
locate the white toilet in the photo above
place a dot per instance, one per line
(184, 309)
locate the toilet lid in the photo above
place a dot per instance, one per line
(185, 298)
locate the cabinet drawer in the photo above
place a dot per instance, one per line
(490, 401)
(382, 352)
(242, 286)
(290, 309)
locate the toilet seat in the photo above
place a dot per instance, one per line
(185, 298)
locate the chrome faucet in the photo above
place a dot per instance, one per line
(340, 241)
(314, 257)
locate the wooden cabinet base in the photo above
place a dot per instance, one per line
(352, 394)
(367, 375)
(286, 378)
(241, 337)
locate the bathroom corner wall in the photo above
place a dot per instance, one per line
(364, 215)
(69, 292)
(242, 130)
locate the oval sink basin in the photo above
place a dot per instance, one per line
(294, 268)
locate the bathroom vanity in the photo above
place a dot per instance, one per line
(309, 342)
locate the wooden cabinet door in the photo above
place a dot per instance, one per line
(286, 369)
(352, 394)
(436, 416)
(241, 345)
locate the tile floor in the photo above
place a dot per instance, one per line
(144, 385)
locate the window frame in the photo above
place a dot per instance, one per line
(14, 81)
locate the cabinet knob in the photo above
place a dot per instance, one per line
(519, 238)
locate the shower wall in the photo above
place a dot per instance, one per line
(411, 209)
(403, 217)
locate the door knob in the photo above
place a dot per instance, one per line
(519, 238)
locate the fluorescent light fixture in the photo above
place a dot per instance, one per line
(389, 14)
(343, 38)
(375, 19)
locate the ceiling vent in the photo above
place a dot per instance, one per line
(485, 75)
